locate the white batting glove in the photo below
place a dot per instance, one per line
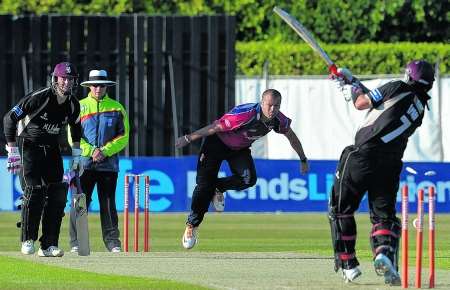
(339, 83)
(14, 160)
(347, 92)
(342, 87)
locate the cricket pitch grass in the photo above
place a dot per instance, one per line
(235, 251)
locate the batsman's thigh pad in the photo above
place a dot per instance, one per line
(31, 211)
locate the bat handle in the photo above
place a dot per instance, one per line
(333, 70)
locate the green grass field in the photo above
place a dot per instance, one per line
(235, 234)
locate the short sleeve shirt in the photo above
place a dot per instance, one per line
(243, 125)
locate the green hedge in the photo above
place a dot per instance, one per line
(366, 58)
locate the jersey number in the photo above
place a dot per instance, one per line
(413, 112)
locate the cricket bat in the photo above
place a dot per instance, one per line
(308, 38)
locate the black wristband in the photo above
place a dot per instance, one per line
(303, 160)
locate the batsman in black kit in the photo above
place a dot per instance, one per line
(31, 129)
(373, 165)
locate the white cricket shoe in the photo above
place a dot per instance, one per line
(218, 201)
(27, 247)
(189, 237)
(350, 275)
(51, 251)
(74, 249)
(383, 267)
(116, 250)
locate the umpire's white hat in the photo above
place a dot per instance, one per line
(98, 77)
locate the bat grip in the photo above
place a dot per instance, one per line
(333, 70)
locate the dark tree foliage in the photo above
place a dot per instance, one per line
(432, 24)
(331, 21)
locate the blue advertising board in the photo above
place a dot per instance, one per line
(280, 186)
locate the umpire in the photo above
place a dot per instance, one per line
(31, 129)
(105, 132)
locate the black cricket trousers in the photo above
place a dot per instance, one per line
(212, 152)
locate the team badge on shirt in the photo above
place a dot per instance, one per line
(17, 111)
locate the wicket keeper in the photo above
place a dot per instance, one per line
(31, 129)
